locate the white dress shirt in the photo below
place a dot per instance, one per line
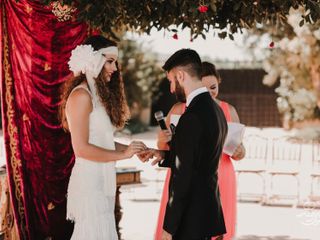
(195, 93)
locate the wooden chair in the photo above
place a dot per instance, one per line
(286, 161)
(315, 172)
(254, 163)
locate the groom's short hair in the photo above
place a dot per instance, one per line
(188, 59)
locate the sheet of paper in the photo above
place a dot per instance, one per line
(234, 137)
(174, 119)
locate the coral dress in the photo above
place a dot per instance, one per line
(227, 188)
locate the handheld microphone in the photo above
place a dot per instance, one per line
(172, 128)
(160, 119)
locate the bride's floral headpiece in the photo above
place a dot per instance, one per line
(87, 61)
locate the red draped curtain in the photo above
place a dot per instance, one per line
(35, 48)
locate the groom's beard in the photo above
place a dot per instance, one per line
(179, 92)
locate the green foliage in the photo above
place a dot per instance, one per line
(141, 75)
(295, 61)
(143, 15)
(140, 72)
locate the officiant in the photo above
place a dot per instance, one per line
(227, 179)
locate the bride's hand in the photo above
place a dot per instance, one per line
(133, 148)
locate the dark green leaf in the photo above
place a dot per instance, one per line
(237, 5)
(143, 15)
(301, 23)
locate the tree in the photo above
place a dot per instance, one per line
(141, 75)
(294, 60)
(227, 16)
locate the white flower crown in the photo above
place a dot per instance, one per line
(85, 60)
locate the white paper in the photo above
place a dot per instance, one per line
(174, 119)
(234, 137)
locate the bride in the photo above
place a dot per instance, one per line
(93, 107)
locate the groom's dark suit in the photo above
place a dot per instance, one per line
(194, 209)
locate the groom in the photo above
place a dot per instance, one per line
(193, 210)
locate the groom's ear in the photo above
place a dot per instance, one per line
(180, 75)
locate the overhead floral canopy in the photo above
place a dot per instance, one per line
(33, 61)
(293, 62)
(227, 16)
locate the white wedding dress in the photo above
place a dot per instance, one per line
(92, 185)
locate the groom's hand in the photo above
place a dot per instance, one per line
(166, 235)
(145, 155)
(150, 153)
(159, 155)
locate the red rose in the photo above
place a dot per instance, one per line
(95, 32)
(271, 45)
(203, 8)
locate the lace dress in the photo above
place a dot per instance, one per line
(92, 185)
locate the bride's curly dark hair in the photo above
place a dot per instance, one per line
(111, 93)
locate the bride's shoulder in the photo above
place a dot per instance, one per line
(79, 97)
(80, 91)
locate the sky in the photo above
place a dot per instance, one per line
(163, 43)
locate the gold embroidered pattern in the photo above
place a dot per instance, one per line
(25, 117)
(13, 131)
(28, 9)
(62, 12)
(47, 67)
(51, 206)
